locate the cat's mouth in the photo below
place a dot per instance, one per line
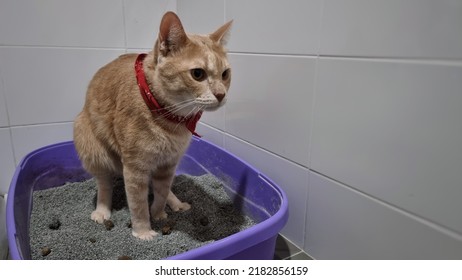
(209, 104)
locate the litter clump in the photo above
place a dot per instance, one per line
(60, 219)
(45, 251)
(55, 224)
(108, 224)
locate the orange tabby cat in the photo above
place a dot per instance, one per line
(140, 112)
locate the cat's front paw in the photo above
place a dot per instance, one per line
(99, 215)
(184, 206)
(144, 234)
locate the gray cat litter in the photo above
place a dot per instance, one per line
(61, 228)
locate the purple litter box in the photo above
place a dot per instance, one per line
(254, 193)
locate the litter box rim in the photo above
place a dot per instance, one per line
(219, 249)
(10, 222)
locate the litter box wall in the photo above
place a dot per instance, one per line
(352, 107)
(252, 192)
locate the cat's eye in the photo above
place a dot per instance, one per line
(225, 74)
(198, 74)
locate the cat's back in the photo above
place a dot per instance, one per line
(111, 84)
(117, 73)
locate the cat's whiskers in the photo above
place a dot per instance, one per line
(188, 101)
(200, 108)
(175, 108)
(192, 112)
(180, 108)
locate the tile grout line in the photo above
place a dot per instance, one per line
(425, 221)
(395, 59)
(125, 25)
(390, 59)
(10, 132)
(68, 47)
(40, 124)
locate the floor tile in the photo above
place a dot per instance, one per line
(285, 249)
(300, 256)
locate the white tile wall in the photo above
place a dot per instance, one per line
(7, 163)
(29, 138)
(292, 178)
(3, 112)
(84, 23)
(393, 130)
(201, 16)
(45, 85)
(270, 103)
(216, 118)
(345, 224)
(281, 27)
(210, 134)
(142, 20)
(392, 28)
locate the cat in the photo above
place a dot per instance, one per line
(140, 112)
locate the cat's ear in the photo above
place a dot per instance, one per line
(171, 34)
(221, 34)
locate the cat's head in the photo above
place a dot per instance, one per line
(192, 72)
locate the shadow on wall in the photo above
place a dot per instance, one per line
(3, 237)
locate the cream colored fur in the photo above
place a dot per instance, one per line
(116, 134)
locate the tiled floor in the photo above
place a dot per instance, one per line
(286, 250)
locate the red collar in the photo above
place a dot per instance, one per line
(154, 106)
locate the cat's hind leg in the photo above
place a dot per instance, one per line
(161, 183)
(98, 161)
(175, 204)
(104, 198)
(163, 196)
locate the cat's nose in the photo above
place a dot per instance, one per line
(219, 96)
